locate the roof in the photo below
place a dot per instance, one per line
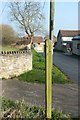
(76, 38)
(37, 39)
(54, 38)
(69, 33)
(26, 36)
(23, 42)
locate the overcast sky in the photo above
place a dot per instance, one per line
(65, 16)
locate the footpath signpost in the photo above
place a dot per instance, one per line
(48, 56)
(48, 78)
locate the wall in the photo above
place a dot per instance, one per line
(14, 63)
(67, 38)
(62, 42)
(74, 47)
(39, 47)
(58, 45)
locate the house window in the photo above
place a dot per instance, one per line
(78, 46)
(64, 44)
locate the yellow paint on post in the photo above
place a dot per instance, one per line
(48, 79)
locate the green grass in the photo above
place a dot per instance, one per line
(20, 109)
(38, 73)
(8, 48)
(59, 77)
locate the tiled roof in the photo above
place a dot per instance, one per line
(76, 38)
(26, 36)
(54, 38)
(23, 42)
(37, 39)
(69, 33)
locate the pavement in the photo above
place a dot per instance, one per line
(65, 97)
(68, 64)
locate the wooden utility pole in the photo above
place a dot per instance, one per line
(49, 65)
(51, 19)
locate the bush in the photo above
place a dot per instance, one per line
(9, 36)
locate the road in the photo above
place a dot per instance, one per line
(68, 64)
(65, 97)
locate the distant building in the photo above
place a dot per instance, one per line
(76, 45)
(38, 43)
(64, 39)
(54, 39)
(23, 43)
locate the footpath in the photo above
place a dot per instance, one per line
(65, 97)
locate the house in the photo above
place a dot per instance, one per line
(76, 45)
(64, 39)
(38, 43)
(54, 39)
(23, 43)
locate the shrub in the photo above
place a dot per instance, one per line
(9, 36)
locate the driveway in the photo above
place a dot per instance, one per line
(68, 64)
(65, 97)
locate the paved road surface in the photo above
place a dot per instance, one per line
(65, 97)
(68, 64)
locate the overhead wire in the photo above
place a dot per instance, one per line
(42, 9)
(44, 4)
(3, 9)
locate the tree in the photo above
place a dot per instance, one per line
(8, 35)
(28, 15)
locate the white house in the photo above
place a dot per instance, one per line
(64, 39)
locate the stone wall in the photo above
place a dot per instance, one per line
(14, 63)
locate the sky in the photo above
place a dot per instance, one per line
(65, 16)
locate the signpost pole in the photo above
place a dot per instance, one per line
(48, 79)
(49, 65)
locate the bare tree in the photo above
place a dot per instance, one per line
(28, 15)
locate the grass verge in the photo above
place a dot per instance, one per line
(20, 110)
(8, 48)
(38, 73)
